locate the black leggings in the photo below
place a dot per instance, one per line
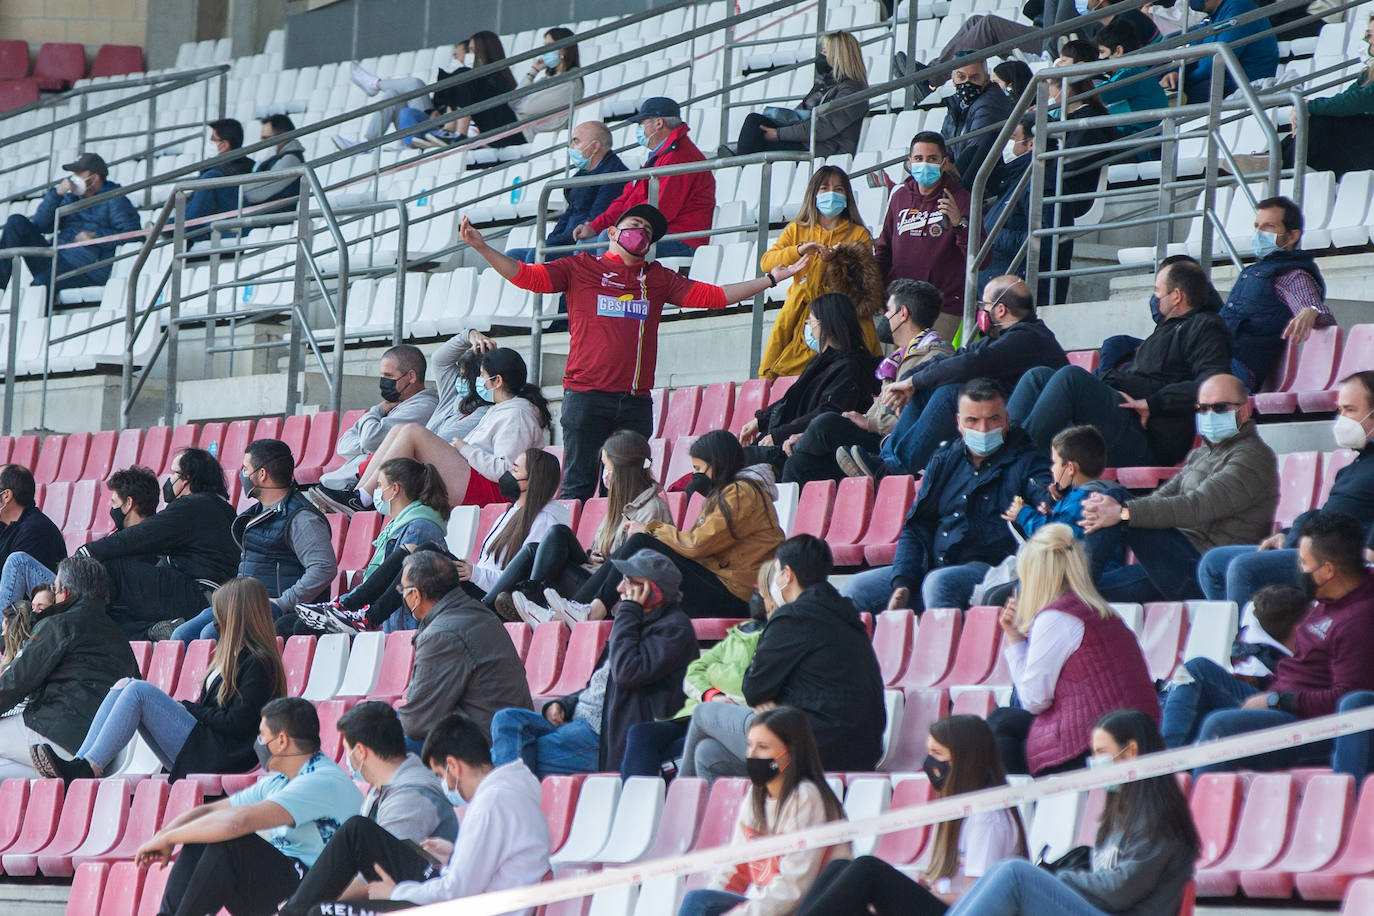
(208, 876)
(377, 593)
(813, 457)
(1010, 726)
(845, 887)
(555, 561)
(703, 594)
(354, 849)
(751, 136)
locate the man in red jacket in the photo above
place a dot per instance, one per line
(687, 201)
(615, 301)
(1332, 646)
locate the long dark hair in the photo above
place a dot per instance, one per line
(544, 478)
(243, 616)
(974, 763)
(201, 471)
(421, 483)
(487, 49)
(808, 215)
(630, 476)
(793, 729)
(571, 61)
(1154, 807)
(839, 321)
(1015, 74)
(725, 456)
(510, 365)
(469, 368)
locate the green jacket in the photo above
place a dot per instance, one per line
(1356, 99)
(65, 669)
(722, 666)
(414, 511)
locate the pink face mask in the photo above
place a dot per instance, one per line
(636, 241)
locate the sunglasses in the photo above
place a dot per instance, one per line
(1218, 407)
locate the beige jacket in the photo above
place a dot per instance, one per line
(881, 419)
(648, 506)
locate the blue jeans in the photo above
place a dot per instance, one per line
(927, 420)
(1351, 753)
(649, 744)
(201, 626)
(136, 707)
(1236, 573)
(951, 586)
(1048, 400)
(1186, 705)
(704, 902)
(546, 749)
(870, 589)
(1166, 568)
(20, 575)
(1014, 886)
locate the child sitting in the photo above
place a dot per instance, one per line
(1266, 633)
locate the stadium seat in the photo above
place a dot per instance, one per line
(295, 658)
(850, 517)
(682, 813)
(49, 459)
(68, 832)
(73, 461)
(363, 529)
(55, 500)
(593, 512)
(84, 508)
(331, 739)
(1357, 354)
(1212, 627)
(1359, 899)
(717, 403)
(6, 447)
(1332, 464)
(749, 398)
(1084, 359)
(659, 399)
(88, 888)
(101, 829)
(905, 847)
(679, 463)
(636, 820)
(25, 451)
(584, 647)
(1297, 486)
(1316, 364)
(154, 883)
(814, 509)
(486, 520)
(152, 452)
(143, 653)
(972, 701)
(1163, 637)
(1355, 859)
(194, 665)
(18, 93)
(59, 64)
(117, 60)
(346, 422)
(100, 454)
(519, 634)
(591, 825)
(1053, 829)
(326, 668)
(1266, 819)
(165, 664)
(319, 447)
(894, 702)
(1215, 802)
(558, 798)
(393, 675)
(932, 648)
(892, 636)
(14, 59)
(1318, 832)
(183, 436)
(123, 884)
(364, 665)
(237, 435)
(920, 708)
(979, 639)
(293, 433)
(779, 388)
(545, 657)
(14, 797)
(40, 819)
(145, 815)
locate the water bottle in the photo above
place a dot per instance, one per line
(213, 449)
(515, 191)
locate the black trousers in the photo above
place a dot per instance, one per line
(554, 561)
(247, 876)
(771, 455)
(142, 594)
(589, 418)
(751, 136)
(1010, 725)
(813, 457)
(703, 594)
(846, 887)
(1336, 144)
(377, 593)
(357, 846)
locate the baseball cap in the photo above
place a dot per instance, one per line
(658, 223)
(656, 107)
(89, 162)
(654, 566)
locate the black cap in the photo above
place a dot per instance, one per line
(657, 107)
(658, 223)
(89, 162)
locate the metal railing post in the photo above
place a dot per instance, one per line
(11, 349)
(295, 353)
(727, 77)
(1300, 127)
(148, 164)
(1209, 193)
(169, 402)
(1037, 188)
(756, 312)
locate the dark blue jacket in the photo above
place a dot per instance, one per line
(209, 201)
(1351, 493)
(991, 107)
(1005, 358)
(1259, 59)
(587, 202)
(1256, 317)
(957, 516)
(35, 534)
(1104, 553)
(264, 539)
(109, 217)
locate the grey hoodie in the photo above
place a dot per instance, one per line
(412, 805)
(1135, 876)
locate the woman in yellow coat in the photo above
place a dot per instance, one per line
(829, 217)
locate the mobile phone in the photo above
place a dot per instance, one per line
(423, 853)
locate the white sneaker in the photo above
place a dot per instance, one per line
(342, 143)
(367, 82)
(530, 612)
(565, 609)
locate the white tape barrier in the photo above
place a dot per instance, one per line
(1163, 763)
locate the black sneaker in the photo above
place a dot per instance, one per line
(46, 761)
(328, 499)
(163, 629)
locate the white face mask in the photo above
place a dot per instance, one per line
(78, 185)
(1009, 151)
(775, 592)
(1349, 432)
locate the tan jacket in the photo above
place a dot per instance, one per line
(648, 506)
(881, 419)
(1226, 494)
(735, 559)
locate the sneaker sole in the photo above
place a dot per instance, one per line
(42, 762)
(326, 503)
(846, 463)
(332, 624)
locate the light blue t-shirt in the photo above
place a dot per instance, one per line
(319, 799)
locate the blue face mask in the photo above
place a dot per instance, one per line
(483, 391)
(463, 387)
(1154, 309)
(810, 337)
(454, 798)
(640, 137)
(1217, 427)
(577, 159)
(550, 59)
(1264, 243)
(380, 503)
(1080, 6)
(983, 444)
(927, 174)
(831, 203)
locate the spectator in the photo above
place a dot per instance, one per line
(24, 528)
(415, 500)
(75, 654)
(1013, 77)
(16, 626)
(840, 378)
(404, 801)
(1142, 859)
(1144, 404)
(591, 152)
(288, 154)
(1121, 91)
(973, 108)
(557, 559)
(113, 216)
(226, 135)
(829, 217)
(1014, 342)
(613, 343)
(1280, 296)
(1235, 573)
(504, 842)
(472, 466)
(405, 399)
(686, 202)
(1267, 630)
(840, 71)
(717, 676)
(1010, 194)
(908, 323)
(134, 493)
(273, 831)
(554, 101)
(213, 734)
(638, 679)
(458, 365)
(1076, 51)
(481, 49)
(925, 230)
(962, 758)
(1225, 494)
(718, 557)
(790, 793)
(43, 598)
(1258, 57)
(400, 114)
(1072, 659)
(954, 533)
(815, 655)
(163, 568)
(1120, 347)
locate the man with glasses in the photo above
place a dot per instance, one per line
(1225, 494)
(226, 135)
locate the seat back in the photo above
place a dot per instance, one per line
(1163, 636)
(357, 550)
(558, 798)
(979, 639)
(49, 459)
(749, 399)
(117, 60)
(717, 403)
(193, 668)
(892, 635)
(932, 648)
(579, 657)
(59, 64)
(14, 59)
(681, 417)
(1297, 486)
(814, 508)
(327, 667)
(100, 453)
(295, 658)
(165, 664)
(545, 657)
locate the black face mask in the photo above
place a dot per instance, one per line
(700, 483)
(884, 329)
(390, 393)
(168, 494)
(967, 93)
(1309, 586)
(823, 69)
(117, 516)
(761, 770)
(1154, 309)
(937, 771)
(509, 487)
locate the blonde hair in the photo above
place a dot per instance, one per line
(765, 583)
(845, 56)
(18, 629)
(1050, 564)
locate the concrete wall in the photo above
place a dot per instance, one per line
(90, 22)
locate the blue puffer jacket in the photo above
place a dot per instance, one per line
(1105, 554)
(1259, 58)
(209, 201)
(108, 217)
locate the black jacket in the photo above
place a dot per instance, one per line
(222, 740)
(832, 382)
(991, 107)
(65, 670)
(815, 654)
(1004, 359)
(1166, 370)
(1351, 493)
(191, 535)
(35, 534)
(648, 655)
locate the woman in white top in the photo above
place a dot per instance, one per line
(532, 487)
(962, 757)
(789, 794)
(473, 467)
(551, 100)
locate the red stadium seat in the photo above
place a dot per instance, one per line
(677, 507)
(101, 453)
(932, 649)
(145, 815)
(974, 701)
(890, 507)
(193, 667)
(519, 634)
(1162, 637)
(14, 59)
(1316, 364)
(166, 662)
(338, 529)
(101, 830)
(713, 629)
(122, 888)
(296, 658)
(780, 387)
(393, 677)
(1265, 821)
(717, 403)
(25, 451)
(59, 64)
(749, 398)
(904, 847)
(1333, 464)
(1000, 676)
(558, 798)
(21, 859)
(923, 706)
(319, 447)
(679, 461)
(88, 887)
(545, 657)
(1281, 376)
(892, 643)
(659, 398)
(1356, 859)
(1327, 802)
(658, 457)
(331, 739)
(143, 653)
(14, 797)
(814, 509)
(40, 817)
(692, 512)
(117, 60)
(18, 93)
(154, 882)
(574, 508)
(55, 502)
(363, 529)
(1297, 486)
(1144, 478)
(152, 453)
(212, 440)
(979, 640)
(183, 436)
(593, 511)
(6, 447)
(85, 506)
(579, 657)
(293, 432)
(1084, 359)
(237, 435)
(73, 461)
(491, 513)
(1358, 354)
(682, 813)
(265, 428)
(849, 518)
(721, 812)
(336, 460)
(49, 459)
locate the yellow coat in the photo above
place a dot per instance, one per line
(733, 558)
(786, 352)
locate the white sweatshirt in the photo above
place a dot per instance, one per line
(488, 569)
(505, 432)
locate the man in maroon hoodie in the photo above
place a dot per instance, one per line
(925, 231)
(1332, 646)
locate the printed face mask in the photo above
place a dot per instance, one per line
(937, 771)
(761, 770)
(635, 240)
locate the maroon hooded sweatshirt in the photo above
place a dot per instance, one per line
(917, 244)
(1332, 648)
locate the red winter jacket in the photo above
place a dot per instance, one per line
(688, 202)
